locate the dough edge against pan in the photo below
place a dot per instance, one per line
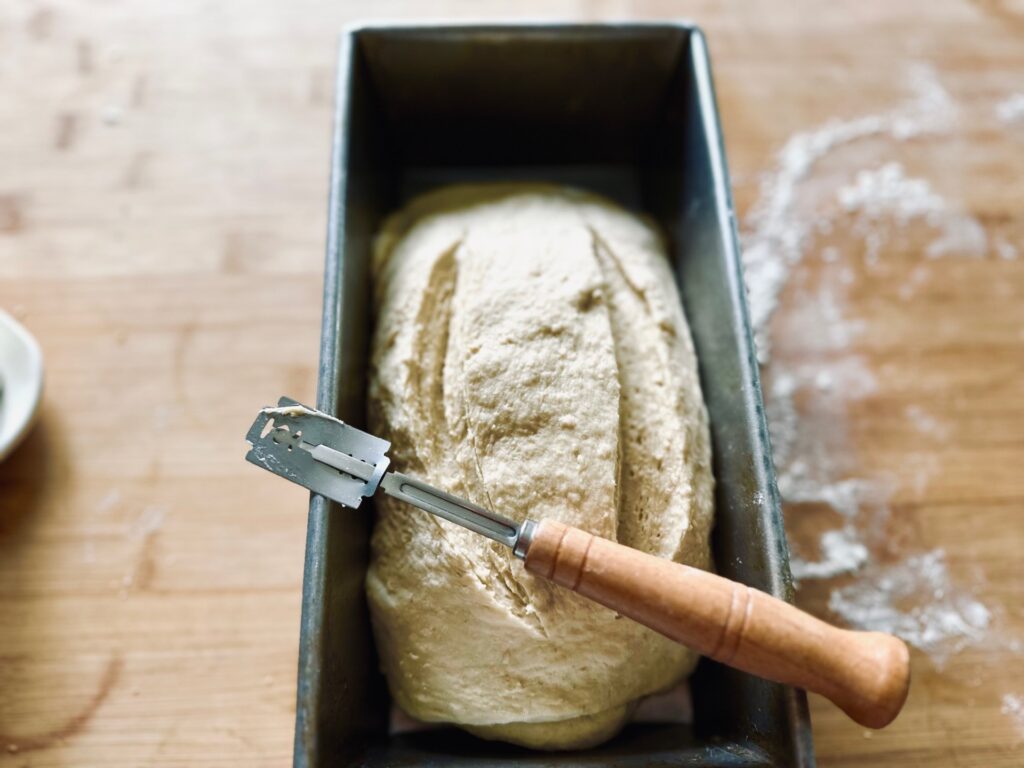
(580, 732)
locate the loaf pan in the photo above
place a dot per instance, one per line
(628, 111)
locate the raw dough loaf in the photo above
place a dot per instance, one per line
(531, 355)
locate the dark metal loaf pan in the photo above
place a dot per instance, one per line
(628, 111)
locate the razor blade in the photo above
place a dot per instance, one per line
(329, 457)
(317, 451)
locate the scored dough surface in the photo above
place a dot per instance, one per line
(530, 354)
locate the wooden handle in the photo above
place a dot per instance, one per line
(866, 674)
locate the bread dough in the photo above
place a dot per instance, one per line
(531, 355)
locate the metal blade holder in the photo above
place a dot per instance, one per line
(346, 464)
(318, 452)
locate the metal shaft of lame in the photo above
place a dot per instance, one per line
(459, 511)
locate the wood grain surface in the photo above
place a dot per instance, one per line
(163, 177)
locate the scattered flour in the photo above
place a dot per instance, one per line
(112, 115)
(780, 407)
(885, 198)
(842, 552)
(148, 522)
(922, 467)
(926, 423)
(915, 599)
(1007, 251)
(1013, 707)
(144, 529)
(919, 275)
(888, 192)
(961, 235)
(847, 497)
(810, 448)
(776, 233)
(109, 501)
(1011, 110)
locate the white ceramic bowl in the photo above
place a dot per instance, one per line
(21, 382)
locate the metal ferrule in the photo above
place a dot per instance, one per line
(524, 539)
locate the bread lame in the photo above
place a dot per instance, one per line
(866, 674)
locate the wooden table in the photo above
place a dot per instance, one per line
(163, 170)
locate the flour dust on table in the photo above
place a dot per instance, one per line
(814, 375)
